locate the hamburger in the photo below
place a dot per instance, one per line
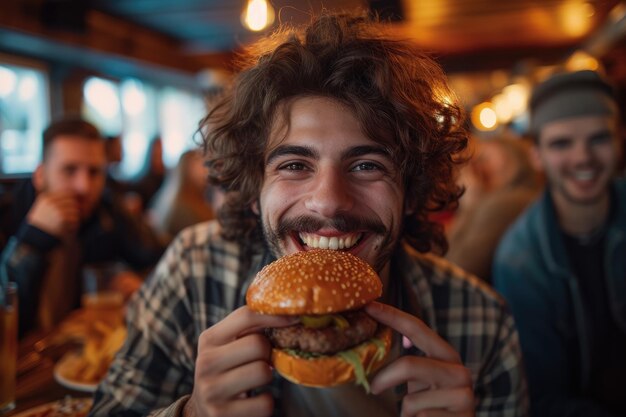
(335, 341)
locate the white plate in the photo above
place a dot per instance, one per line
(79, 406)
(61, 378)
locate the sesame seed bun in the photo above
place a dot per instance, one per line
(314, 282)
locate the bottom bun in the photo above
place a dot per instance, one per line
(327, 371)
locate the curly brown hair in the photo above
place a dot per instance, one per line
(399, 95)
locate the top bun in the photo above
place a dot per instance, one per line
(314, 282)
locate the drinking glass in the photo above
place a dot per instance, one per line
(8, 346)
(99, 296)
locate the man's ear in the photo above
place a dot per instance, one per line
(535, 157)
(38, 178)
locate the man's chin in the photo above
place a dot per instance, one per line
(588, 197)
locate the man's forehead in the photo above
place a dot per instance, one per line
(72, 141)
(66, 147)
(315, 115)
(578, 126)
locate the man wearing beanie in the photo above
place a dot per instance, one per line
(562, 265)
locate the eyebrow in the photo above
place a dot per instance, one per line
(365, 150)
(600, 134)
(308, 152)
(606, 133)
(283, 150)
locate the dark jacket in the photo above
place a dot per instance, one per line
(109, 235)
(531, 271)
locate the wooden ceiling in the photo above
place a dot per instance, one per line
(189, 35)
(455, 30)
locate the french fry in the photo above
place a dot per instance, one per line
(98, 351)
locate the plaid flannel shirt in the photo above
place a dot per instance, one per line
(202, 278)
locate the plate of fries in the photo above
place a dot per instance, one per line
(83, 369)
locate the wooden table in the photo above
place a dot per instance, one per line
(36, 384)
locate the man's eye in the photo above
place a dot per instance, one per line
(95, 172)
(559, 144)
(292, 166)
(601, 140)
(366, 166)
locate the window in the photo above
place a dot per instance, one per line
(141, 112)
(24, 114)
(101, 105)
(180, 113)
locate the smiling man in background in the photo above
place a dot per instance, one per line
(57, 222)
(339, 138)
(562, 266)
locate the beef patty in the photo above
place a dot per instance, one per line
(327, 340)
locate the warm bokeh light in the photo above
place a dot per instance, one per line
(484, 117)
(8, 80)
(488, 118)
(581, 60)
(258, 15)
(575, 17)
(517, 97)
(503, 109)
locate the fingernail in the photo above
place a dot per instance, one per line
(406, 343)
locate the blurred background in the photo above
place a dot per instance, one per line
(144, 70)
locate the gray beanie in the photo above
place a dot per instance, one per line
(572, 94)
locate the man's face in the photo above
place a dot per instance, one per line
(327, 185)
(77, 165)
(579, 156)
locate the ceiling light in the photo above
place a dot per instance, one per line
(258, 15)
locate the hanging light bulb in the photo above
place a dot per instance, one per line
(258, 15)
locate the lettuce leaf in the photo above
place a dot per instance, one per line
(379, 355)
(353, 359)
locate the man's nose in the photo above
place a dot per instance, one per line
(582, 152)
(330, 194)
(82, 182)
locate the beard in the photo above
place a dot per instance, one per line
(343, 223)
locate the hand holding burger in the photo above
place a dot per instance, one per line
(335, 341)
(232, 360)
(318, 311)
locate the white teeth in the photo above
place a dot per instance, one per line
(334, 242)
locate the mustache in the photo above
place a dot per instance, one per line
(343, 223)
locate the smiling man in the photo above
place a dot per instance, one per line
(562, 265)
(333, 137)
